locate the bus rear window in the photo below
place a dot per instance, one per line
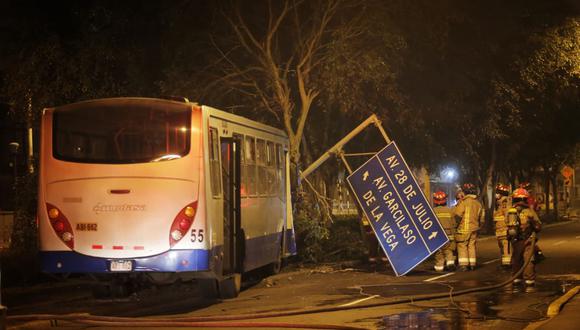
(131, 132)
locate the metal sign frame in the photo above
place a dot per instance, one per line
(399, 213)
(337, 151)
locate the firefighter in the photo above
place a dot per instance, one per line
(469, 212)
(459, 195)
(533, 204)
(445, 257)
(499, 219)
(523, 224)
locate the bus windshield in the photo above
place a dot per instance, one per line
(114, 133)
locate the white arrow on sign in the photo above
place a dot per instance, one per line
(365, 175)
(433, 235)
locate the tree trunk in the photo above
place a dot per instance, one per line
(555, 189)
(512, 180)
(547, 188)
(494, 182)
(487, 199)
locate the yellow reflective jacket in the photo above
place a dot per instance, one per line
(500, 219)
(471, 214)
(529, 220)
(445, 216)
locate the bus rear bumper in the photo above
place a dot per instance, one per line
(170, 261)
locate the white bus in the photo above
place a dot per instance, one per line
(134, 188)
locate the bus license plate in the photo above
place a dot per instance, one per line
(121, 265)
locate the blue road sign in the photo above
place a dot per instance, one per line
(401, 217)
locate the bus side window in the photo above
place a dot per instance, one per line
(214, 162)
(261, 162)
(271, 169)
(280, 171)
(250, 165)
(243, 169)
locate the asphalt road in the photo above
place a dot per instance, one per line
(353, 285)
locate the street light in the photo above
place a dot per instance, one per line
(448, 174)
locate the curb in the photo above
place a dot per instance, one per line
(556, 305)
(554, 308)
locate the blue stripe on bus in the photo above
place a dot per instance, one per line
(257, 255)
(263, 250)
(170, 261)
(291, 242)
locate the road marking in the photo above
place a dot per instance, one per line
(359, 301)
(577, 236)
(491, 261)
(437, 277)
(358, 287)
(560, 242)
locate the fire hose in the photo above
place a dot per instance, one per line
(226, 320)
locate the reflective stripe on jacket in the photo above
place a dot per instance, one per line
(500, 219)
(500, 223)
(471, 212)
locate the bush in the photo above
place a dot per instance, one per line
(20, 262)
(311, 229)
(319, 240)
(20, 268)
(345, 241)
(24, 232)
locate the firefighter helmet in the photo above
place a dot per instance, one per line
(502, 189)
(520, 195)
(469, 189)
(439, 198)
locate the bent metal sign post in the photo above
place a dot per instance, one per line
(401, 217)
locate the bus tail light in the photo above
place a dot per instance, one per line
(60, 225)
(182, 223)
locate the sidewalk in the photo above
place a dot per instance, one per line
(563, 313)
(568, 318)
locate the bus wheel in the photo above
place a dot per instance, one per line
(119, 290)
(208, 288)
(275, 267)
(230, 286)
(101, 291)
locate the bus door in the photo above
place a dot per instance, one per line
(231, 180)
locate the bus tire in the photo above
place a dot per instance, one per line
(230, 286)
(208, 288)
(275, 267)
(119, 290)
(101, 291)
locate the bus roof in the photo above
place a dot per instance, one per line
(212, 111)
(117, 99)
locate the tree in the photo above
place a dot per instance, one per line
(550, 78)
(270, 56)
(85, 54)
